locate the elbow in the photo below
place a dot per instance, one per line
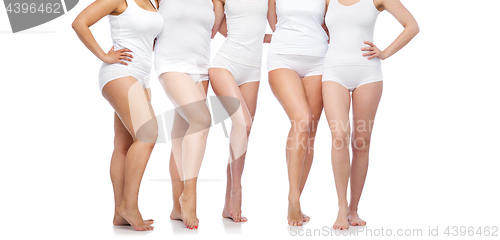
(415, 29)
(76, 25)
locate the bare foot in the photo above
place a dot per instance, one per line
(133, 216)
(354, 219)
(176, 213)
(305, 218)
(233, 208)
(120, 221)
(188, 211)
(341, 223)
(294, 213)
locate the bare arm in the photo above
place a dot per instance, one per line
(396, 8)
(324, 23)
(88, 17)
(223, 27)
(272, 18)
(219, 16)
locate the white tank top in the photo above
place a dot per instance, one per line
(184, 43)
(246, 27)
(299, 29)
(135, 29)
(349, 27)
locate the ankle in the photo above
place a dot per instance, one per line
(343, 206)
(128, 205)
(293, 198)
(235, 189)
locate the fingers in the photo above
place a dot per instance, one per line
(124, 50)
(126, 58)
(369, 43)
(374, 55)
(127, 55)
(122, 62)
(368, 49)
(369, 53)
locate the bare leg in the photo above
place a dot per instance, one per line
(179, 129)
(312, 87)
(132, 105)
(289, 90)
(123, 141)
(225, 88)
(365, 100)
(336, 99)
(190, 104)
(232, 206)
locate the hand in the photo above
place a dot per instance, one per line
(117, 56)
(372, 51)
(267, 38)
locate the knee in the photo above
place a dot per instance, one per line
(302, 123)
(248, 126)
(201, 121)
(121, 145)
(243, 125)
(360, 144)
(340, 140)
(148, 132)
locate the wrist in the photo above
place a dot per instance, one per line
(385, 55)
(101, 55)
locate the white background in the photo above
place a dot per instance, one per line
(433, 162)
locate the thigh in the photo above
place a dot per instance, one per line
(250, 93)
(227, 90)
(186, 95)
(365, 101)
(203, 87)
(313, 90)
(127, 96)
(337, 100)
(289, 90)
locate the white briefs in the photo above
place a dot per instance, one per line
(241, 73)
(305, 66)
(352, 77)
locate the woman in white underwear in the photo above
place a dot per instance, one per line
(182, 59)
(124, 82)
(352, 72)
(295, 64)
(235, 75)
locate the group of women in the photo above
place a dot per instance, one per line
(321, 55)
